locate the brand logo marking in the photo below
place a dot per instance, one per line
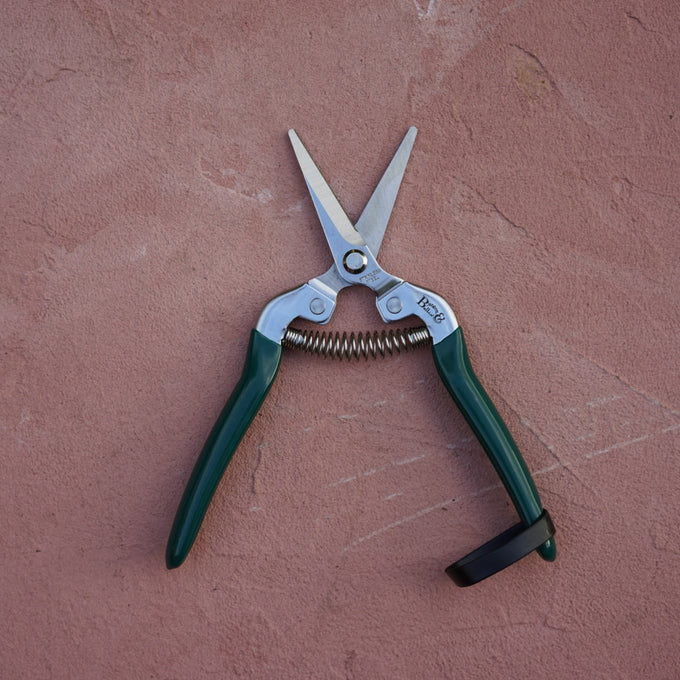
(431, 309)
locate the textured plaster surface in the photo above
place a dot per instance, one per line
(150, 207)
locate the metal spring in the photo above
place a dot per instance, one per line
(356, 345)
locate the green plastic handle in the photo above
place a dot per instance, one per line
(262, 363)
(455, 370)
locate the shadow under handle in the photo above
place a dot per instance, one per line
(455, 370)
(262, 363)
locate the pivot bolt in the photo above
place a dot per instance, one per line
(355, 261)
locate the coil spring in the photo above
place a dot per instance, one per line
(356, 345)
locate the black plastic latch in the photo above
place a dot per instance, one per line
(502, 551)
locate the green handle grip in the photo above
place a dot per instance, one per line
(455, 370)
(262, 363)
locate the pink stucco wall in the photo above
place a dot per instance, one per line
(150, 207)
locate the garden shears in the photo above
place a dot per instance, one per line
(354, 249)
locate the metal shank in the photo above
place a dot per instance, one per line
(313, 301)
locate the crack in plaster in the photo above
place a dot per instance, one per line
(566, 465)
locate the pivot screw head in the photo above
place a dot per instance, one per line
(355, 261)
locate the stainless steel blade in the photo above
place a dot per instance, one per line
(340, 233)
(376, 214)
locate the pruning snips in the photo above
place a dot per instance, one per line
(354, 249)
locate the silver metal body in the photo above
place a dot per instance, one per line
(354, 249)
